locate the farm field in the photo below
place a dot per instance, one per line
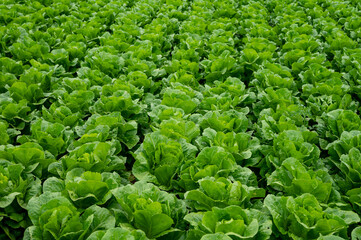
(180, 120)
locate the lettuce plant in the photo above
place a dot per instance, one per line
(118, 233)
(85, 188)
(143, 206)
(232, 221)
(221, 192)
(159, 158)
(55, 217)
(304, 217)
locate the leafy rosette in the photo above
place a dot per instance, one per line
(105, 60)
(181, 76)
(30, 155)
(13, 185)
(225, 121)
(118, 233)
(327, 103)
(293, 143)
(182, 97)
(161, 112)
(221, 192)
(304, 218)
(344, 160)
(234, 222)
(9, 68)
(294, 179)
(92, 156)
(344, 144)
(233, 86)
(140, 80)
(211, 162)
(118, 101)
(274, 98)
(122, 83)
(26, 48)
(85, 188)
(107, 127)
(334, 87)
(226, 95)
(214, 236)
(354, 197)
(95, 76)
(350, 166)
(179, 129)
(271, 122)
(349, 61)
(143, 206)
(273, 75)
(74, 99)
(332, 124)
(16, 189)
(61, 114)
(316, 73)
(244, 148)
(159, 158)
(16, 114)
(220, 67)
(218, 98)
(55, 217)
(53, 137)
(32, 93)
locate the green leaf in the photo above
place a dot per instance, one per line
(152, 225)
(96, 218)
(7, 200)
(216, 236)
(356, 233)
(33, 233)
